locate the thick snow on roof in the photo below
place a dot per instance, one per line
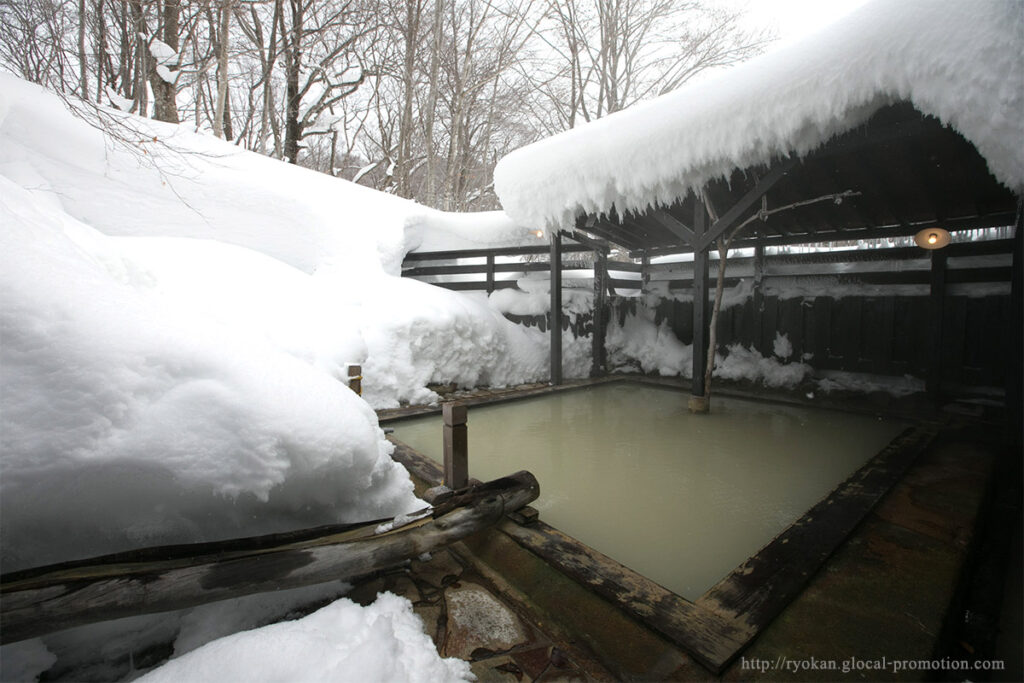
(962, 62)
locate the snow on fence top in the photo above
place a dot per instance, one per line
(958, 61)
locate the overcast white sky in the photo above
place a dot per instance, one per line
(794, 18)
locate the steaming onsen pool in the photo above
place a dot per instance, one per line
(679, 498)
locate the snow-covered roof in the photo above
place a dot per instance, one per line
(962, 62)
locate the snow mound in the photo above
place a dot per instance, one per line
(944, 58)
(341, 642)
(749, 364)
(655, 348)
(139, 421)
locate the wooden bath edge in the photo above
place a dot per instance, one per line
(720, 624)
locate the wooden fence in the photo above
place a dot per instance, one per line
(876, 311)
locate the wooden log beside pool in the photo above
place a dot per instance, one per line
(37, 601)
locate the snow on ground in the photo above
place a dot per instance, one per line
(942, 57)
(383, 642)
(175, 316)
(140, 421)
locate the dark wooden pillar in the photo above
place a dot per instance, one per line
(758, 302)
(598, 367)
(490, 273)
(701, 313)
(645, 272)
(456, 445)
(555, 319)
(936, 306)
(1015, 371)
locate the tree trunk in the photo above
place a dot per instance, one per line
(723, 251)
(140, 93)
(435, 60)
(83, 63)
(165, 106)
(405, 128)
(101, 50)
(292, 66)
(224, 25)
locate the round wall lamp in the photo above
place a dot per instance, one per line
(932, 238)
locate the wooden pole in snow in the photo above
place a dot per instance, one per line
(355, 378)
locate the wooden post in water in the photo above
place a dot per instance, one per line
(355, 378)
(456, 450)
(599, 367)
(556, 308)
(758, 302)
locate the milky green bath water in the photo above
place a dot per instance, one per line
(683, 499)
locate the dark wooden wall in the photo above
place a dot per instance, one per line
(878, 335)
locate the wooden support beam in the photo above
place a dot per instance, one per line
(637, 227)
(597, 245)
(936, 306)
(38, 601)
(456, 445)
(599, 366)
(731, 217)
(556, 309)
(701, 314)
(615, 233)
(676, 227)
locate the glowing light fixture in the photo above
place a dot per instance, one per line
(932, 238)
(538, 233)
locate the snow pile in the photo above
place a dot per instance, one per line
(417, 334)
(782, 347)
(748, 364)
(533, 297)
(182, 184)
(442, 231)
(173, 337)
(340, 642)
(944, 58)
(111, 650)
(637, 341)
(139, 421)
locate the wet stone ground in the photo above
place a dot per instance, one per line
(466, 620)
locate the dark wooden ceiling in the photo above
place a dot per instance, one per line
(908, 172)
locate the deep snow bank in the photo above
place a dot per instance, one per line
(130, 420)
(176, 315)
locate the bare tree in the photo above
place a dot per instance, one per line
(615, 53)
(320, 61)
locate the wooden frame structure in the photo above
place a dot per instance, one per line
(897, 174)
